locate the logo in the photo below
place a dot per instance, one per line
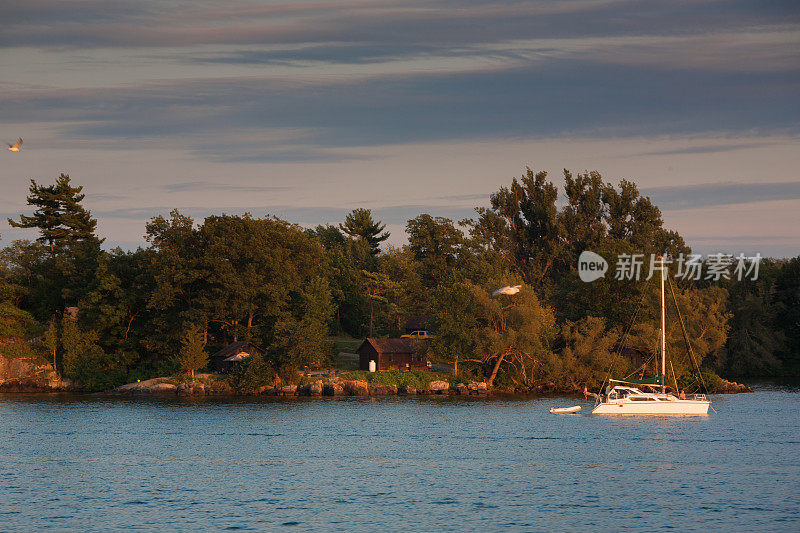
(591, 266)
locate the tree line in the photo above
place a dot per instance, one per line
(106, 317)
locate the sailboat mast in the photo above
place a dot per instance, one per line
(663, 331)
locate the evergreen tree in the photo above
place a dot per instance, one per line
(59, 215)
(192, 355)
(360, 225)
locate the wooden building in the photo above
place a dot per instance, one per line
(391, 354)
(232, 354)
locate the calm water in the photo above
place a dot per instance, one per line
(88, 463)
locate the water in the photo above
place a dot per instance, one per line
(98, 463)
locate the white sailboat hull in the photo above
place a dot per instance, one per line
(660, 407)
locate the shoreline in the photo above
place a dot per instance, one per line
(332, 387)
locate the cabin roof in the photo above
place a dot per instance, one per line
(390, 345)
(235, 348)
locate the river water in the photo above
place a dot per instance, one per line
(389, 464)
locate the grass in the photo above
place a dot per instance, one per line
(344, 343)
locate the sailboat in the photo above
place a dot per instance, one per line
(626, 397)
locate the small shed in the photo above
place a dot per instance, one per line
(232, 354)
(391, 354)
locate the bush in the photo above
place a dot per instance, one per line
(252, 374)
(192, 355)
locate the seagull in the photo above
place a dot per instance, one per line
(15, 147)
(509, 290)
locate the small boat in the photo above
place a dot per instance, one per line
(565, 410)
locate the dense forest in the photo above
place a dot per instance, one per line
(107, 317)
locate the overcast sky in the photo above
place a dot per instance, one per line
(307, 110)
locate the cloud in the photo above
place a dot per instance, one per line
(706, 149)
(722, 193)
(206, 115)
(205, 186)
(159, 24)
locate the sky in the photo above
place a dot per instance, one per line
(309, 109)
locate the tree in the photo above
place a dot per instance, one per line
(299, 337)
(360, 225)
(507, 336)
(377, 288)
(59, 215)
(437, 245)
(51, 341)
(522, 226)
(192, 355)
(86, 362)
(17, 327)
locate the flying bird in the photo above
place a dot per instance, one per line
(15, 147)
(508, 289)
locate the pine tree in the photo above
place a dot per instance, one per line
(192, 355)
(59, 215)
(359, 225)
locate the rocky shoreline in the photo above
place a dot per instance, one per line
(206, 386)
(320, 387)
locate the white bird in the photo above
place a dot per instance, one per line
(508, 289)
(15, 147)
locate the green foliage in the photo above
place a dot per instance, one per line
(286, 288)
(587, 356)
(51, 342)
(300, 337)
(17, 326)
(516, 332)
(360, 225)
(85, 361)
(252, 374)
(414, 378)
(192, 355)
(59, 215)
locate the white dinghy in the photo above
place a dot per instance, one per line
(566, 410)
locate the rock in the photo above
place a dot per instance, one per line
(438, 387)
(289, 390)
(477, 387)
(356, 388)
(462, 389)
(26, 384)
(220, 387)
(405, 389)
(191, 388)
(333, 388)
(163, 388)
(16, 368)
(379, 389)
(310, 389)
(731, 387)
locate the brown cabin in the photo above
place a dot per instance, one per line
(232, 354)
(391, 354)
